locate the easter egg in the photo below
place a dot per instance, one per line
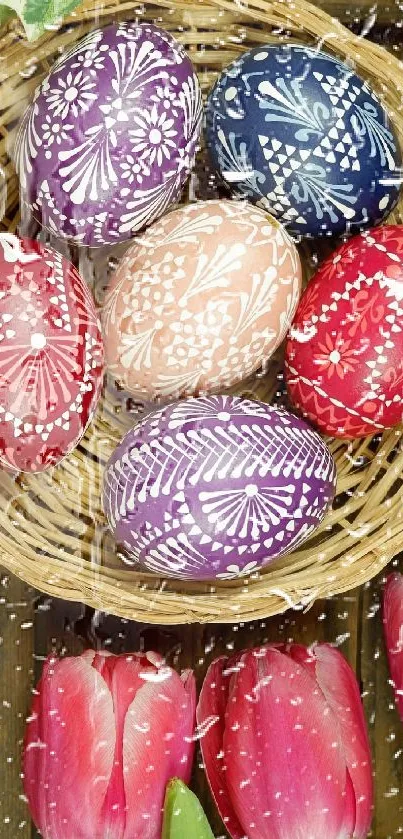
(200, 300)
(344, 358)
(110, 137)
(216, 486)
(51, 356)
(297, 131)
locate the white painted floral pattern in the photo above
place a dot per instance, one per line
(200, 300)
(234, 571)
(72, 95)
(55, 131)
(128, 105)
(153, 136)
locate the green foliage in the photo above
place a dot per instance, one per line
(36, 15)
(183, 814)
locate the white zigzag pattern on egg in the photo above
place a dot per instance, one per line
(203, 454)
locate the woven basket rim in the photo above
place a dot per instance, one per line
(357, 539)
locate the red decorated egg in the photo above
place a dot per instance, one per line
(51, 356)
(344, 356)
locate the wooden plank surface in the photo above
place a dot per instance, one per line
(16, 679)
(383, 12)
(352, 621)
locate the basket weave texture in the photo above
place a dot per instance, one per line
(52, 530)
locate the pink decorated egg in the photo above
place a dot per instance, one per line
(200, 300)
(51, 356)
(344, 358)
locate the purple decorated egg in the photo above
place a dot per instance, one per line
(110, 137)
(216, 487)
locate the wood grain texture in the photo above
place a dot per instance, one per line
(359, 10)
(16, 680)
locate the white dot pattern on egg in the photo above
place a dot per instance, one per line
(51, 356)
(200, 300)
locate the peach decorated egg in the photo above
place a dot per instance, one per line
(344, 357)
(200, 300)
(51, 356)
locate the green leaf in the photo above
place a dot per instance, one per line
(5, 14)
(36, 15)
(183, 814)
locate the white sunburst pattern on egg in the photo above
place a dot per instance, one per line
(51, 355)
(115, 124)
(252, 509)
(213, 407)
(215, 483)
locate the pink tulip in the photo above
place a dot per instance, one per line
(285, 746)
(393, 629)
(105, 736)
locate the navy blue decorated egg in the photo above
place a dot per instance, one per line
(297, 131)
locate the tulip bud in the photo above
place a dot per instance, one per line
(285, 746)
(184, 817)
(393, 630)
(105, 736)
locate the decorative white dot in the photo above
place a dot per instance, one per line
(251, 490)
(230, 93)
(71, 94)
(260, 56)
(335, 357)
(38, 341)
(384, 202)
(155, 136)
(225, 416)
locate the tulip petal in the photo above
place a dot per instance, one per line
(69, 750)
(158, 744)
(393, 629)
(304, 656)
(124, 676)
(340, 688)
(211, 725)
(285, 768)
(184, 817)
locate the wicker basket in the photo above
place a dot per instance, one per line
(52, 530)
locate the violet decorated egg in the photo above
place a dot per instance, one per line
(216, 487)
(110, 138)
(51, 356)
(344, 357)
(299, 132)
(200, 300)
